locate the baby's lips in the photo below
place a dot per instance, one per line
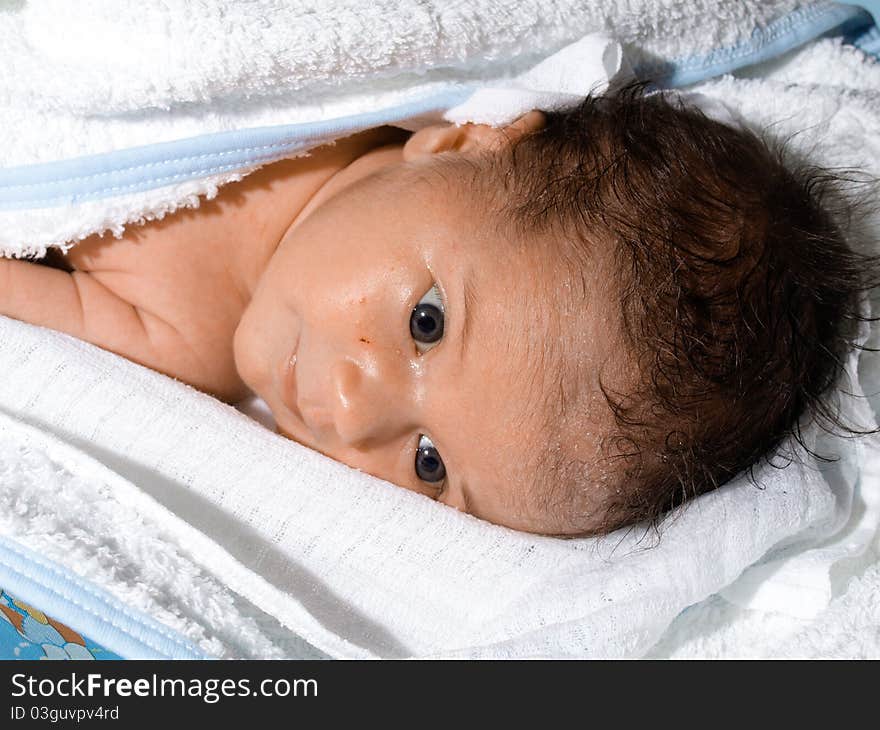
(315, 418)
(289, 389)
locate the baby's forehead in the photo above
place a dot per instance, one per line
(524, 472)
(532, 415)
(569, 350)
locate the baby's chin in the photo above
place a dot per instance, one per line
(292, 433)
(281, 431)
(284, 429)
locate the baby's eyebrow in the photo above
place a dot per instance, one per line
(468, 306)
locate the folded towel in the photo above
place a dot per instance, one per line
(92, 144)
(351, 564)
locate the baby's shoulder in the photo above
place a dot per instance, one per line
(150, 248)
(177, 269)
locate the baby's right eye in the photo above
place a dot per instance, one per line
(426, 320)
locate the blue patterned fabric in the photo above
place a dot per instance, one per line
(28, 633)
(72, 601)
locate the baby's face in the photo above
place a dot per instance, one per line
(396, 332)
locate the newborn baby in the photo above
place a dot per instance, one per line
(563, 326)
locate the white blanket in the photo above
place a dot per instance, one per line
(220, 529)
(112, 75)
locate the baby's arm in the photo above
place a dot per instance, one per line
(79, 304)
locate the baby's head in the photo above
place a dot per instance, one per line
(564, 326)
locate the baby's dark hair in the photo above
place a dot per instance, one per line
(739, 294)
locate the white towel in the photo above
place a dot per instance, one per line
(108, 75)
(353, 565)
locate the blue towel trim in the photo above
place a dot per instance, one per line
(92, 177)
(776, 38)
(87, 609)
(67, 182)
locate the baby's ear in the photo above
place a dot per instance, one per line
(449, 137)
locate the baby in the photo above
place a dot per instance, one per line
(564, 326)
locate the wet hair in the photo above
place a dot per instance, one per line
(739, 295)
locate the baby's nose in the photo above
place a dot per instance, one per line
(367, 407)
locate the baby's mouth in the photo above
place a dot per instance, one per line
(289, 389)
(309, 417)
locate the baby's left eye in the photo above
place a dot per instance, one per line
(429, 465)
(426, 320)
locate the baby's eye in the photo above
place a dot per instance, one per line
(426, 320)
(429, 465)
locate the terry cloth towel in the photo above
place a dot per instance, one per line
(247, 544)
(194, 100)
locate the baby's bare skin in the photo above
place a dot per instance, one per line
(170, 294)
(301, 284)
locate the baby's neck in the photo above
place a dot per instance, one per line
(259, 211)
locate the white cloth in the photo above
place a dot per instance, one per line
(185, 71)
(549, 86)
(353, 565)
